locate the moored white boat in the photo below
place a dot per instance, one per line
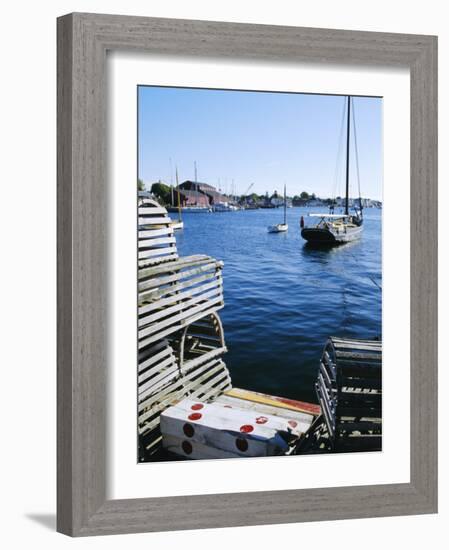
(224, 207)
(176, 225)
(280, 227)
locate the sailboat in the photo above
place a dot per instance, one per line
(281, 227)
(334, 229)
(178, 224)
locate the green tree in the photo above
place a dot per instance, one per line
(140, 185)
(304, 195)
(162, 192)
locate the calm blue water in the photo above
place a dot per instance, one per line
(283, 299)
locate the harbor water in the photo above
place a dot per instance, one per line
(284, 299)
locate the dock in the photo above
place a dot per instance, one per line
(187, 405)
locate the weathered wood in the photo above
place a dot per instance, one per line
(156, 252)
(171, 277)
(158, 292)
(175, 264)
(180, 317)
(173, 293)
(148, 243)
(212, 288)
(142, 210)
(153, 358)
(181, 305)
(303, 419)
(163, 221)
(349, 389)
(157, 260)
(152, 233)
(280, 402)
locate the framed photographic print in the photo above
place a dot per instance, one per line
(247, 274)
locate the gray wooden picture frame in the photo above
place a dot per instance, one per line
(83, 41)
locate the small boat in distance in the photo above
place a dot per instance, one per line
(334, 229)
(224, 207)
(281, 227)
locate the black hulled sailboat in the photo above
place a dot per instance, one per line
(335, 229)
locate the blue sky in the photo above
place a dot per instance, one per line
(256, 137)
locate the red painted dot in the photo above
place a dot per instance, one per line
(197, 407)
(292, 423)
(261, 420)
(246, 428)
(241, 444)
(188, 429)
(187, 447)
(195, 416)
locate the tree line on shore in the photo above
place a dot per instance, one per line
(163, 193)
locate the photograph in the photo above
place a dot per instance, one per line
(259, 291)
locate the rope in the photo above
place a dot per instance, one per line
(356, 152)
(338, 164)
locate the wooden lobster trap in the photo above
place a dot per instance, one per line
(181, 347)
(349, 390)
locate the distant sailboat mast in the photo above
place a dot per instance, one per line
(179, 197)
(347, 156)
(285, 204)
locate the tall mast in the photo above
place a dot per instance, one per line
(196, 174)
(285, 204)
(347, 156)
(179, 199)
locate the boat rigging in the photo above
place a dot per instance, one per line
(333, 229)
(281, 227)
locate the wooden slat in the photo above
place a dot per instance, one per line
(183, 383)
(359, 426)
(153, 373)
(275, 401)
(152, 233)
(193, 363)
(156, 293)
(180, 296)
(158, 383)
(153, 328)
(181, 305)
(175, 265)
(158, 260)
(179, 389)
(145, 363)
(177, 276)
(328, 416)
(148, 243)
(158, 220)
(326, 377)
(358, 356)
(143, 210)
(357, 412)
(156, 252)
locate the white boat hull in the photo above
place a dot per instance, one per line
(177, 225)
(279, 228)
